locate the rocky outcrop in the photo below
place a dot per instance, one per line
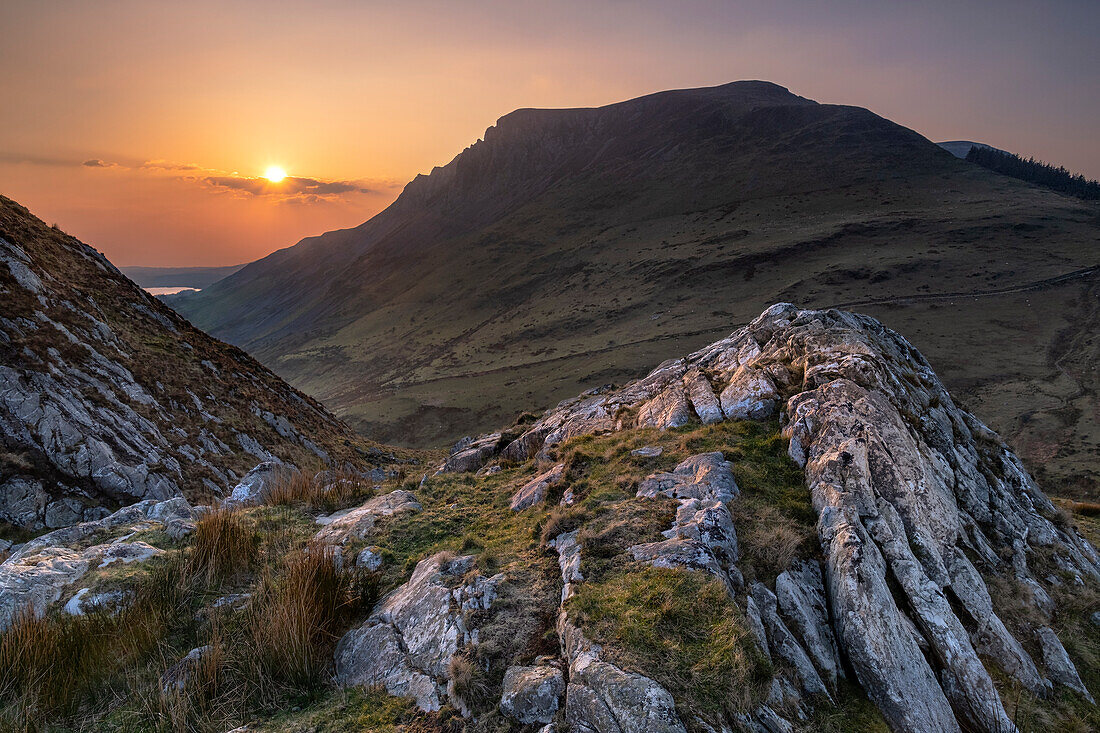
(357, 523)
(108, 397)
(41, 572)
(407, 644)
(702, 536)
(917, 503)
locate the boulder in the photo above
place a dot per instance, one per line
(407, 643)
(534, 491)
(531, 694)
(703, 476)
(470, 454)
(257, 482)
(357, 523)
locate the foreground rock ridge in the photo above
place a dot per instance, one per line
(919, 508)
(108, 397)
(793, 529)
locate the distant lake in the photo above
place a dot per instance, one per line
(169, 291)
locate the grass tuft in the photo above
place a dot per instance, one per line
(682, 629)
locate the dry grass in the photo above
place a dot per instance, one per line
(221, 546)
(327, 490)
(299, 613)
(681, 628)
(768, 539)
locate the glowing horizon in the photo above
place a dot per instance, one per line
(147, 130)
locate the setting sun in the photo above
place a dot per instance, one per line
(274, 173)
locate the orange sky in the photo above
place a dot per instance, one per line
(140, 127)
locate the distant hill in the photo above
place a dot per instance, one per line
(961, 148)
(572, 247)
(174, 277)
(107, 396)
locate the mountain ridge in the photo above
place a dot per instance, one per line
(545, 246)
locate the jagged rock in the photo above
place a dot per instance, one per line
(987, 632)
(784, 645)
(357, 523)
(534, 491)
(39, 572)
(531, 694)
(470, 454)
(703, 476)
(648, 451)
(800, 593)
(702, 397)
(407, 643)
(668, 409)
(257, 482)
(1059, 666)
(903, 482)
(751, 395)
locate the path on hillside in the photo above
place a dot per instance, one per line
(1036, 285)
(898, 299)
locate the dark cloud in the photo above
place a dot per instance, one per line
(289, 186)
(97, 163)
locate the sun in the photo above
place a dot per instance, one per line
(274, 173)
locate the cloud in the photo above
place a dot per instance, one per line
(167, 165)
(289, 186)
(292, 189)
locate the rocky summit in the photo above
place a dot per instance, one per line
(795, 528)
(108, 397)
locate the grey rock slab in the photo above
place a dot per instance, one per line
(255, 484)
(800, 593)
(750, 395)
(784, 645)
(702, 476)
(407, 643)
(702, 397)
(1059, 666)
(532, 694)
(357, 523)
(534, 491)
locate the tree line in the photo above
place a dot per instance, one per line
(1034, 171)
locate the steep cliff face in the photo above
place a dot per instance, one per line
(108, 397)
(920, 511)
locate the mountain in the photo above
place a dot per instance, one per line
(793, 529)
(572, 247)
(107, 396)
(176, 277)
